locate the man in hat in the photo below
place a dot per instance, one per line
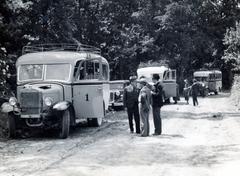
(145, 100)
(157, 103)
(195, 91)
(186, 90)
(130, 102)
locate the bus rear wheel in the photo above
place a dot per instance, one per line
(175, 100)
(96, 122)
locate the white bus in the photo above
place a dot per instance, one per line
(210, 79)
(168, 79)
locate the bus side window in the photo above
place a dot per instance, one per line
(105, 71)
(89, 70)
(76, 69)
(173, 74)
(212, 77)
(96, 70)
(166, 75)
(82, 71)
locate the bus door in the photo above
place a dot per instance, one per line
(169, 83)
(88, 89)
(219, 82)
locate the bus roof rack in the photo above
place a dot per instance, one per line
(211, 69)
(153, 64)
(60, 47)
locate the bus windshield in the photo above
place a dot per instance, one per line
(201, 78)
(37, 72)
(30, 72)
(59, 72)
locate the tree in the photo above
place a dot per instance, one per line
(5, 75)
(188, 34)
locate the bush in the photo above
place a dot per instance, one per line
(235, 95)
(3, 125)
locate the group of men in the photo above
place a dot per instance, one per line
(138, 102)
(194, 89)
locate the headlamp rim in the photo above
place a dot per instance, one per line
(47, 100)
(12, 101)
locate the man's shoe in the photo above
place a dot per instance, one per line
(156, 134)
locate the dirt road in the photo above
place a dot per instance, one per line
(196, 141)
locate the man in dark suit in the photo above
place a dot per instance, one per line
(157, 103)
(195, 90)
(130, 102)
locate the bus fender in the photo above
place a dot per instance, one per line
(7, 108)
(61, 106)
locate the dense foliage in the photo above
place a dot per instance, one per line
(187, 34)
(232, 52)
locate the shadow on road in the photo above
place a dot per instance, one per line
(220, 95)
(198, 116)
(169, 136)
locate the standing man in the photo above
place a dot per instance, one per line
(186, 90)
(145, 100)
(130, 102)
(157, 103)
(195, 90)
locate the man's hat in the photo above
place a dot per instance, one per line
(132, 78)
(156, 76)
(143, 81)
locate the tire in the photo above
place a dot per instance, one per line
(94, 122)
(167, 101)
(175, 100)
(11, 126)
(65, 124)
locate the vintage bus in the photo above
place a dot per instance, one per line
(58, 84)
(168, 79)
(211, 80)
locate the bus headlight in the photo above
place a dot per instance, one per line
(12, 101)
(48, 101)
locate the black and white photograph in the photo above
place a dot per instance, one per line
(119, 87)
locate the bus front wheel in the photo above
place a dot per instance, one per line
(11, 125)
(167, 101)
(64, 124)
